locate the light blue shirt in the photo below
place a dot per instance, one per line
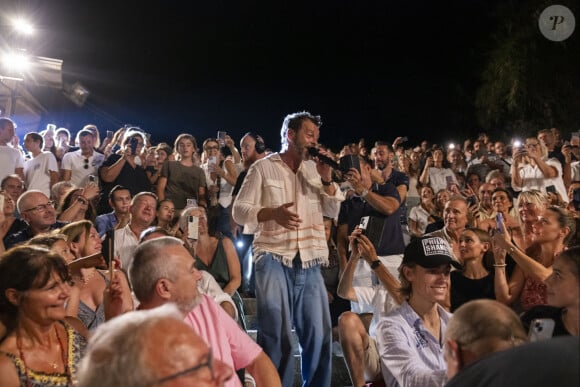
(410, 355)
(105, 222)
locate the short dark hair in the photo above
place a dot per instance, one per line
(8, 177)
(116, 188)
(35, 137)
(294, 121)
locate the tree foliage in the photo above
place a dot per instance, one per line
(528, 81)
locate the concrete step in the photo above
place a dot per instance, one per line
(340, 375)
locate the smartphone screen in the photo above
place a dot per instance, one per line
(499, 222)
(541, 329)
(193, 227)
(109, 135)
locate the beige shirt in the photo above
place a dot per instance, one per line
(271, 183)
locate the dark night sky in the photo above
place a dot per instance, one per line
(376, 69)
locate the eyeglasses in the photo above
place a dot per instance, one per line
(86, 166)
(208, 364)
(42, 207)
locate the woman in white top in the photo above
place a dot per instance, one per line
(419, 216)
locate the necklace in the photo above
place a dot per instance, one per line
(53, 365)
(89, 277)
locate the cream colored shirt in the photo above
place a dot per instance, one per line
(271, 183)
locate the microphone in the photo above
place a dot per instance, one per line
(314, 152)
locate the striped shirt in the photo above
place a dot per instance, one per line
(271, 183)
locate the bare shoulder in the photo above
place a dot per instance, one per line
(8, 374)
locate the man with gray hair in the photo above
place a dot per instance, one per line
(477, 329)
(144, 348)
(163, 272)
(485, 345)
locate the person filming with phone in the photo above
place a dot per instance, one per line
(532, 169)
(125, 168)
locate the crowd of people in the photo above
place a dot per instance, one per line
(119, 261)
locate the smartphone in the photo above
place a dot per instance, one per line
(499, 222)
(109, 134)
(2, 202)
(405, 139)
(541, 329)
(193, 227)
(212, 160)
(191, 203)
(92, 178)
(551, 188)
(221, 137)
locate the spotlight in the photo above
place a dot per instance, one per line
(23, 26)
(16, 61)
(451, 146)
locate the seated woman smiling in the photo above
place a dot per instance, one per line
(39, 348)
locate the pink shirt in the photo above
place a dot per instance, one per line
(228, 341)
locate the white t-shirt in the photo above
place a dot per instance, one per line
(533, 178)
(37, 172)
(10, 160)
(421, 217)
(75, 162)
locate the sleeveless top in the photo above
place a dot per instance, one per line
(218, 267)
(533, 293)
(75, 347)
(92, 318)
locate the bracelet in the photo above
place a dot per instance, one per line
(325, 183)
(499, 265)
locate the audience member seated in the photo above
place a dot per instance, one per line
(9, 224)
(165, 217)
(357, 336)
(552, 232)
(152, 347)
(163, 271)
(207, 284)
(77, 204)
(120, 202)
(436, 219)
(530, 205)
(13, 185)
(531, 364)
(39, 347)
(216, 254)
(84, 241)
(410, 337)
(36, 210)
(142, 212)
(420, 215)
(478, 329)
(456, 218)
(563, 295)
(475, 280)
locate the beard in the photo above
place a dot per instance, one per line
(186, 306)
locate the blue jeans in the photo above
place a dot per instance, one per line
(285, 296)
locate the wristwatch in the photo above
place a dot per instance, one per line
(376, 264)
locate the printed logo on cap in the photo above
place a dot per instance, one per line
(435, 246)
